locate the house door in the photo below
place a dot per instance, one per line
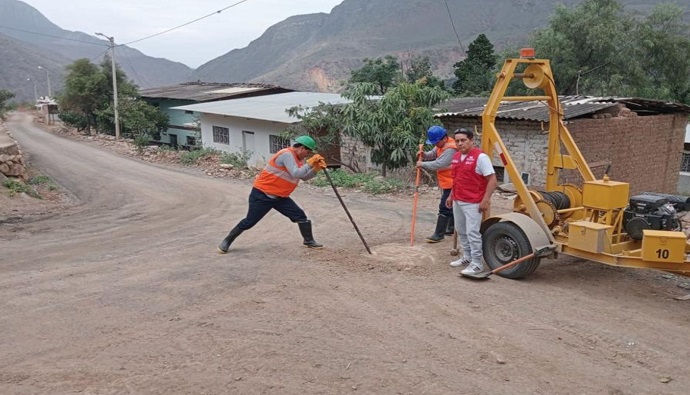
(248, 142)
(173, 140)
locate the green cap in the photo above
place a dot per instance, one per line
(306, 141)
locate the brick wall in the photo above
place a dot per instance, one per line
(643, 150)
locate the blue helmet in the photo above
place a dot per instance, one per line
(435, 134)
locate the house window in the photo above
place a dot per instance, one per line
(525, 178)
(221, 135)
(278, 143)
(191, 140)
(685, 163)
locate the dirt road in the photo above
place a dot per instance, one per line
(125, 294)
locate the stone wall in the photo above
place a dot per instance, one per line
(11, 158)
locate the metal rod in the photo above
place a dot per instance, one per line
(328, 176)
(416, 193)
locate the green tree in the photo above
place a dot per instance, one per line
(475, 73)
(137, 118)
(591, 48)
(86, 101)
(420, 70)
(663, 52)
(85, 92)
(391, 125)
(383, 72)
(5, 96)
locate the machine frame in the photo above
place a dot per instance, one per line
(592, 226)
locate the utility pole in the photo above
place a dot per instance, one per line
(50, 93)
(112, 63)
(35, 91)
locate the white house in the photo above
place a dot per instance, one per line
(253, 125)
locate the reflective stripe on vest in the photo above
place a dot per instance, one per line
(468, 186)
(444, 176)
(276, 180)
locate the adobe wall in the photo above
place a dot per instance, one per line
(644, 151)
(11, 158)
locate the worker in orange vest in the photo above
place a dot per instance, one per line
(439, 159)
(273, 186)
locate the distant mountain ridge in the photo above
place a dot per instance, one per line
(313, 52)
(54, 48)
(317, 51)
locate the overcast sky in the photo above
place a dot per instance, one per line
(194, 44)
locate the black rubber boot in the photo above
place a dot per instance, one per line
(441, 224)
(305, 230)
(450, 229)
(225, 244)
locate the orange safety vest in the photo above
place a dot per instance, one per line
(444, 176)
(277, 180)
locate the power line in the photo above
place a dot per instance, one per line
(450, 16)
(185, 24)
(48, 35)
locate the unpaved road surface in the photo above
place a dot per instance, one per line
(124, 293)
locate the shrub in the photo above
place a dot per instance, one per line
(235, 159)
(141, 141)
(368, 182)
(39, 180)
(191, 157)
(16, 187)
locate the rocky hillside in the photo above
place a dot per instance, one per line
(52, 47)
(307, 52)
(317, 51)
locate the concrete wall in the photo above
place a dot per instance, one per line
(644, 151)
(257, 143)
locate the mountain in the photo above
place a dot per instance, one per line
(53, 48)
(317, 51)
(313, 52)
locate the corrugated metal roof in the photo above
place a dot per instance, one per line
(268, 108)
(210, 91)
(573, 106)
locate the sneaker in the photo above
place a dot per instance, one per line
(460, 262)
(473, 269)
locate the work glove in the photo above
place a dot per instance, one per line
(317, 162)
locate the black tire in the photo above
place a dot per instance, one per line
(504, 242)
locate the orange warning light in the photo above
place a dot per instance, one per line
(527, 53)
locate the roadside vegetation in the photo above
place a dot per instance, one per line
(36, 186)
(5, 106)
(371, 183)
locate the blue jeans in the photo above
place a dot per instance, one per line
(260, 205)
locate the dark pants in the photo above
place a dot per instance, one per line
(260, 205)
(442, 209)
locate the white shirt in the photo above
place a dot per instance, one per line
(484, 166)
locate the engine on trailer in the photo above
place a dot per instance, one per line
(649, 212)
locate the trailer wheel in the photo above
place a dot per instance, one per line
(504, 242)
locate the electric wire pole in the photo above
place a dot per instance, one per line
(50, 93)
(112, 63)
